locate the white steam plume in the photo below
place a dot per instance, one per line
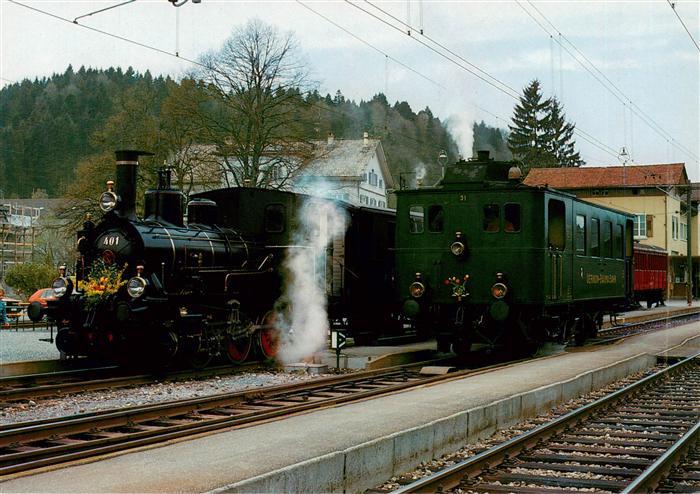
(304, 322)
(462, 128)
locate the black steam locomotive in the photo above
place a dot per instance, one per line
(156, 289)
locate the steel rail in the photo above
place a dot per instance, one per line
(649, 480)
(452, 476)
(13, 389)
(35, 444)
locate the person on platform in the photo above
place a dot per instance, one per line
(3, 311)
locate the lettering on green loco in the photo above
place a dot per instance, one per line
(601, 279)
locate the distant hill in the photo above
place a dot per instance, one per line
(49, 125)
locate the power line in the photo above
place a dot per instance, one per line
(175, 55)
(673, 7)
(448, 50)
(497, 85)
(509, 91)
(603, 80)
(370, 45)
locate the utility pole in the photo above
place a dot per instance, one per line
(689, 236)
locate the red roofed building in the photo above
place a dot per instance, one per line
(655, 194)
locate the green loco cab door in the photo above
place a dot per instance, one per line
(558, 252)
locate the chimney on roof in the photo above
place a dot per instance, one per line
(331, 139)
(365, 139)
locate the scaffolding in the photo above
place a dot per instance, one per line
(17, 234)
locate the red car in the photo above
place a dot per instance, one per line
(42, 295)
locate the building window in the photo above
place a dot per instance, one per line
(684, 231)
(382, 204)
(640, 225)
(363, 199)
(372, 202)
(372, 178)
(381, 183)
(364, 177)
(674, 227)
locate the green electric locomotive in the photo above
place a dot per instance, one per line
(487, 263)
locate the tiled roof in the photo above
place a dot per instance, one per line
(343, 158)
(612, 176)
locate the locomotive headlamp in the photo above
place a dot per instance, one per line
(108, 201)
(136, 287)
(457, 248)
(60, 287)
(417, 289)
(499, 290)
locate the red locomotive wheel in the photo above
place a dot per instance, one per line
(268, 335)
(238, 350)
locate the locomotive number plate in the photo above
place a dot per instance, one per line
(462, 197)
(110, 241)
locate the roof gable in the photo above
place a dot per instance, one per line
(347, 158)
(607, 177)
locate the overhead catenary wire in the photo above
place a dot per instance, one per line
(497, 83)
(367, 43)
(603, 79)
(174, 55)
(673, 7)
(199, 64)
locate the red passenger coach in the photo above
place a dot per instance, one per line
(650, 274)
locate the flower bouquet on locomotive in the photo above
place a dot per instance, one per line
(155, 290)
(486, 262)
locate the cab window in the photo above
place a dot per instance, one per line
(512, 218)
(607, 250)
(580, 234)
(416, 219)
(556, 232)
(491, 222)
(595, 237)
(619, 246)
(274, 218)
(436, 219)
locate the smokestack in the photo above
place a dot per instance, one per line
(365, 139)
(127, 168)
(483, 155)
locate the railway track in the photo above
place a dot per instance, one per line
(616, 333)
(25, 446)
(52, 384)
(34, 386)
(634, 440)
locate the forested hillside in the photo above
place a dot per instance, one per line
(48, 126)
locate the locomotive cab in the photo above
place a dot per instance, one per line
(487, 262)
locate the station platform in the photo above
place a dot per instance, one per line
(356, 446)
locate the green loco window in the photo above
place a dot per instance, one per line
(607, 239)
(580, 234)
(436, 219)
(556, 213)
(274, 218)
(595, 237)
(416, 219)
(512, 217)
(491, 218)
(617, 242)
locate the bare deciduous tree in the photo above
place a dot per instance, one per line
(256, 82)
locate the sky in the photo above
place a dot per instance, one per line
(627, 72)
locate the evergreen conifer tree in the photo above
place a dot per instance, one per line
(528, 138)
(561, 133)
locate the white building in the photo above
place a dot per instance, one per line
(352, 170)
